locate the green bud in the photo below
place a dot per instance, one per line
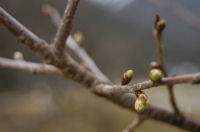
(141, 103)
(154, 64)
(155, 75)
(161, 25)
(128, 75)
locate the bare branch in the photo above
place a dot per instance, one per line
(70, 68)
(72, 44)
(28, 66)
(64, 28)
(156, 113)
(157, 32)
(170, 117)
(111, 89)
(133, 125)
(23, 35)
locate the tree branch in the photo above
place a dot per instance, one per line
(158, 29)
(136, 122)
(28, 66)
(70, 68)
(111, 89)
(180, 11)
(64, 28)
(23, 35)
(126, 99)
(72, 44)
(156, 113)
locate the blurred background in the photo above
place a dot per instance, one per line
(118, 36)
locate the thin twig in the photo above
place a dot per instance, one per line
(28, 66)
(180, 11)
(23, 35)
(72, 44)
(111, 89)
(65, 27)
(133, 125)
(158, 37)
(157, 32)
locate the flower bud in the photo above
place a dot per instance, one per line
(141, 103)
(47, 9)
(154, 64)
(155, 75)
(128, 75)
(18, 56)
(78, 37)
(161, 25)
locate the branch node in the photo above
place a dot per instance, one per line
(65, 27)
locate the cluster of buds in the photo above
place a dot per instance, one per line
(156, 73)
(128, 75)
(141, 102)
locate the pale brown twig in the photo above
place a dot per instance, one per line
(64, 28)
(28, 66)
(23, 35)
(134, 124)
(111, 89)
(180, 11)
(157, 32)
